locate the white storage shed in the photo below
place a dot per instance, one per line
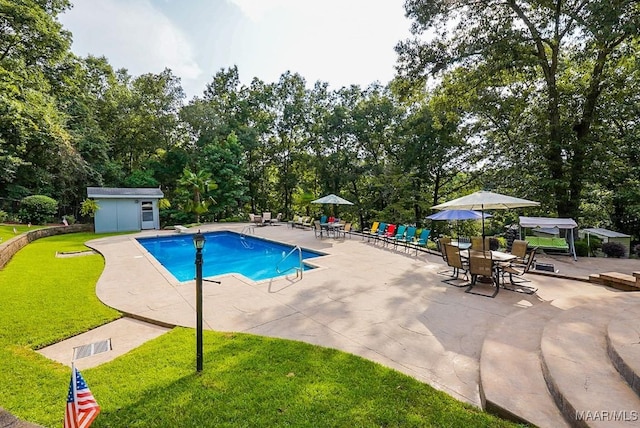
(123, 209)
(609, 236)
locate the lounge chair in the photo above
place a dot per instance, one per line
(266, 218)
(307, 222)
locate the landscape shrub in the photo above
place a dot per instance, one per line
(37, 209)
(3, 216)
(582, 248)
(70, 218)
(636, 250)
(613, 249)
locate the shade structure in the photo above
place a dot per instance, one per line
(332, 199)
(484, 200)
(450, 215)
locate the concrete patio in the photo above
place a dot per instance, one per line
(389, 306)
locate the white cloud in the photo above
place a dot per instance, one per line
(132, 35)
(256, 9)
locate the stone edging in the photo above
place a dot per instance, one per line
(13, 245)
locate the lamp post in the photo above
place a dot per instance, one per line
(198, 242)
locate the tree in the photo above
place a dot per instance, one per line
(196, 185)
(539, 40)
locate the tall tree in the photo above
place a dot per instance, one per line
(537, 39)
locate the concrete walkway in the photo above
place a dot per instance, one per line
(382, 304)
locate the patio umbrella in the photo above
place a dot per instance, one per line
(333, 200)
(457, 215)
(484, 200)
(451, 215)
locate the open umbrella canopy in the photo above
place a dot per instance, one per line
(332, 199)
(484, 200)
(451, 215)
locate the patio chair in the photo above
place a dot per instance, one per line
(408, 238)
(266, 218)
(519, 249)
(323, 219)
(476, 243)
(307, 222)
(317, 229)
(510, 269)
(389, 233)
(422, 240)
(455, 261)
(370, 231)
(399, 235)
(345, 230)
(382, 227)
(481, 265)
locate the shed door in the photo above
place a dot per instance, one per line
(148, 221)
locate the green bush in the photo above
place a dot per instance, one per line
(3, 216)
(582, 248)
(37, 209)
(613, 249)
(70, 219)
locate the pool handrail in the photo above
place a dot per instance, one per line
(299, 269)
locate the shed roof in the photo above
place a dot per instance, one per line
(124, 192)
(605, 233)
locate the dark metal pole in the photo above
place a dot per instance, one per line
(199, 309)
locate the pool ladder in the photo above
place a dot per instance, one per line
(245, 230)
(299, 269)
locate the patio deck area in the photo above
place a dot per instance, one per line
(385, 305)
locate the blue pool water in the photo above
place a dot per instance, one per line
(224, 252)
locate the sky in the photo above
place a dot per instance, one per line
(341, 42)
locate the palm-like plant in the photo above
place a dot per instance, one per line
(197, 183)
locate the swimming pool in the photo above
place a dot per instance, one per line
(225, 252)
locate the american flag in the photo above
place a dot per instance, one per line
(82, 408)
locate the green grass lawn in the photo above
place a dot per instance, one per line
(7, 230)
(248, 381)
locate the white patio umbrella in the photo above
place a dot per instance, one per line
(332, 199)
(484, 200)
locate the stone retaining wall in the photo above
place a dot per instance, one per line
(12, 246)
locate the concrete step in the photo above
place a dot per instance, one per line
(585, 385)
(511, 380)
(623, 345)
(621, 281)
(595, 279)
(637, 275)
